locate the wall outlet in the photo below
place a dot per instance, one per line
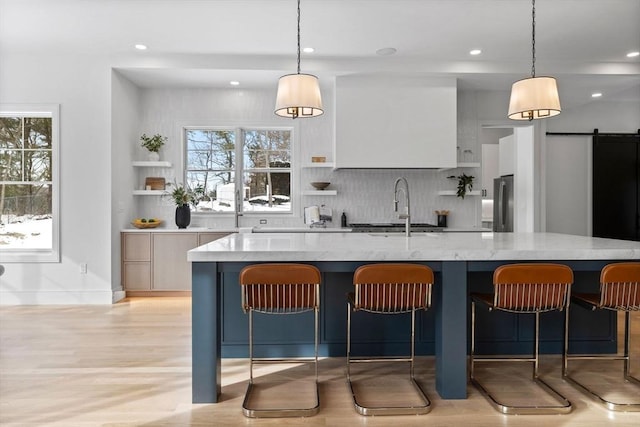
(83, 268)
(263, 221)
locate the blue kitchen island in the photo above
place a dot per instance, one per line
(461, 262)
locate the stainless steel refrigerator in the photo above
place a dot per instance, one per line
(503, 203)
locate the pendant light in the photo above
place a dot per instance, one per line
(535, 97)
(298, 94)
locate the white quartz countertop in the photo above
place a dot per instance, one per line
(419, 247)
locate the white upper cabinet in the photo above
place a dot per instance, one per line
(489, 169)
(395, 122)
(507, 156)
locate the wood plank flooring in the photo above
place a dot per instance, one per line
(129, 364)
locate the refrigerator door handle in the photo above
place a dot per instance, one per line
(503, 204)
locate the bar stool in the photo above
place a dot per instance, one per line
(524, 288)
(619, 291)
(390, 289)
(280, 289)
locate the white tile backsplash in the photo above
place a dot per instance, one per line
(367, 195)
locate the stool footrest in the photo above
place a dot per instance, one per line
(564, 406)
(477, 359)
(612, 406)
(379, 359)
(597, 357)
(266, 361)
(278, 412)
(425, 408)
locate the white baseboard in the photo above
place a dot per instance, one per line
(68, 297)
(118, 295)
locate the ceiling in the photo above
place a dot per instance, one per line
(207, 43)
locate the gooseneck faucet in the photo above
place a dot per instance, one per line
(407, 208)
(239, 201)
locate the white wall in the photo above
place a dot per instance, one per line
(125, 123)
(81, 85)
(568, 200)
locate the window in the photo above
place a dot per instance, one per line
(28, 183)
(261, 161)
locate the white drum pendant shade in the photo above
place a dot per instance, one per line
(534, 98)
(298, 96)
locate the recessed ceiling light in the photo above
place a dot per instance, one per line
(386, 51)
(633, 54)
(596, 95)
(308, 50)
(234, 83)
(141, 47)
(475, 52)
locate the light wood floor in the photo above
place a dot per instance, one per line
(130, 365)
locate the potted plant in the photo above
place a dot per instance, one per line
(465, 183)
(153, 144)
(182, 197)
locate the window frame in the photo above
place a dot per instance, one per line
(41, 255)
(239, 167)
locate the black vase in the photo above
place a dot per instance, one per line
(183, 216)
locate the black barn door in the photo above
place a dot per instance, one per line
(616, 186)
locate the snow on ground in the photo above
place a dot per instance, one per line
(25, 232)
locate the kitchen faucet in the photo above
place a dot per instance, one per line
(238, 206)
(407, 215)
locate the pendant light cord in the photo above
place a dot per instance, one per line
(533, 39)
(299, 36)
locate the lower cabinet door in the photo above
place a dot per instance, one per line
(136, 276)
(171, 270)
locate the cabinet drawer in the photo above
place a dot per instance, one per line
(136, 246)
(136, 276)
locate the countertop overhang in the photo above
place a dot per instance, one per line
(462, 246)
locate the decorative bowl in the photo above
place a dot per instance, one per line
(320, 185)
(146, 222)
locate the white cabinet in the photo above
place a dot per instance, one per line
(395, 122)
(507, 155)
(489, 169)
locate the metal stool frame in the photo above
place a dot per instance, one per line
(282, 288)
(524, 288)
(619, 291)
(390, 289)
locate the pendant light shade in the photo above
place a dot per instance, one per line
(535, 97)
(298, 94)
